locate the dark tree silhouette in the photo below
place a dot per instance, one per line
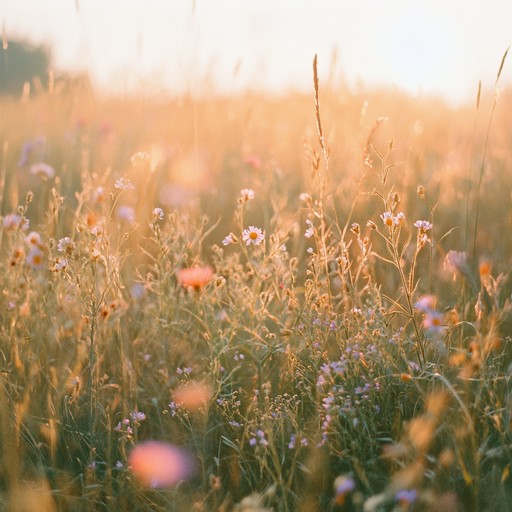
(22, 62)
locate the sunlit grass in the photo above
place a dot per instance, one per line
(254, 303)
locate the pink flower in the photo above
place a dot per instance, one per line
(160, 464)
(253, 161)
(195, 277)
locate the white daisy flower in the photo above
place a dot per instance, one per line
(423, 225)
(388, 219)
(247, 194)
(61, 264)
(400, 218)
(253, 235)
(66, 245)
(35, 258)
(12, 221)
(33, 238)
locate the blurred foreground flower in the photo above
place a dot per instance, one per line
(43, 171)
(455, 260)
(99, 195)
(434, 321)
(253, 161)
(159, 464)
(126, 213)
(343, 486)
(425, 303)
(13, 221)
(35, 258)
(193, 395)
(195, 277)
(33, 239)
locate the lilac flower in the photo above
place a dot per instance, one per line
(138, 416)
(228, 240)
(258, 439)
(137, 291)
(406, 496)
(344, 485)
(12, 221)
(66, 245)
(61, 264)
(124, 184)
(43, 171)
(311, 230)
(126, 213)
(261, 437)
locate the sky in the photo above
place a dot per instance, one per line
(442, 47)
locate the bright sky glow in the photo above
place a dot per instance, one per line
(434, 46)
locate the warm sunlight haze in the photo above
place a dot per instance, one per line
(442, 47)
(255, 256)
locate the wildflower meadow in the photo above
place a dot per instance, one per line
(298, 302)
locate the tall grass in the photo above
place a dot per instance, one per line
(279, 291)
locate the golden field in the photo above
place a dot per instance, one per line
(289, 302)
